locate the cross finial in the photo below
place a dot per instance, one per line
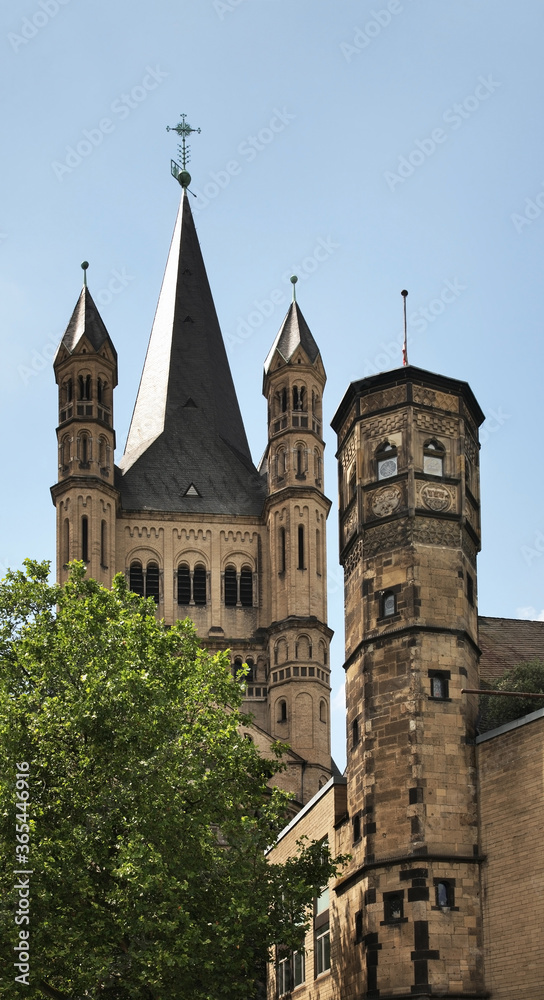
(179, 170)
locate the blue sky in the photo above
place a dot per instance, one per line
(367, 147)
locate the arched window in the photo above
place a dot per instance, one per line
(282, 711)
(300, 461)
(322, 711)
(318, 551)
(65, 451)
(103, 545)
(251, 673)
(299, 397)
(282, 552)
(84, 386)
(284, 400)
(355, 733)
(136, 578)
(102, 452)
(281, 462)
(246, 587)
(68, 390)
(85, 538)
(184, 584)
(152, 581)
(199, 584)
(433, 458)
(386, 457)
(300, 546)
(100, 393)
(145, 584)
(317, 465)
(231, 587)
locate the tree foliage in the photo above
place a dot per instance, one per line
(527, 677)
(149, 812)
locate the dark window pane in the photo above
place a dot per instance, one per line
(246, 588)
(152, 582)
(230, 587)
(199, 585)
(184, 585)
(136, 582)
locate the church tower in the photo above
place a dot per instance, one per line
(409, 536)
(85, 495)
(296, 512)
(187, 517)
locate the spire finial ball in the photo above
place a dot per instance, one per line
(85, 265)
(404, 293)
(293, 279)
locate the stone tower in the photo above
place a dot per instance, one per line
(409, 535)
(85, 495)
(186, 515)
(296, 512)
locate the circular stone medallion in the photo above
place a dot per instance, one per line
(436, 497)
(386, 500)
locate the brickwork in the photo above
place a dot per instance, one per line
(511, 769)
(411, 628)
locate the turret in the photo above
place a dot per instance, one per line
(85, 497)
(296, 514)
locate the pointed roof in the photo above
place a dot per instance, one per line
(86, 322)
(187, 448)
(294, 332)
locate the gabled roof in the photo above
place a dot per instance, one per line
(187, 448)
(86, 322)
(294, 332)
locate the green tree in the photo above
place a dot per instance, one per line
(148, 811)
(527, 677)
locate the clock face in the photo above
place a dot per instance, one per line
(387, 467)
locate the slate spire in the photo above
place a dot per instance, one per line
(187, 448)
(294, 332)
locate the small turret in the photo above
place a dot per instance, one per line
(86, 373)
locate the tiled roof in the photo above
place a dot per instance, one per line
(505, 642)
(187, 449)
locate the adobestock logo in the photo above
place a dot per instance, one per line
(33, 24)
(454, 117)
(93, 137)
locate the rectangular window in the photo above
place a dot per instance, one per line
(393, 907)
(284, 976)
(322, 901)
(299, 969)
(322, 949)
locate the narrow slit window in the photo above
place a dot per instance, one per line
(66, 540)
(301, 546)
(103, 545)
(282, 551)
(85, 538)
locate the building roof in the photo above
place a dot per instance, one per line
(505, 642)
(187, 448)
(294, 332)
(87, 322)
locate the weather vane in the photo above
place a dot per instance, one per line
(179, 171)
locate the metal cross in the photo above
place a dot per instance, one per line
(184, 130)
